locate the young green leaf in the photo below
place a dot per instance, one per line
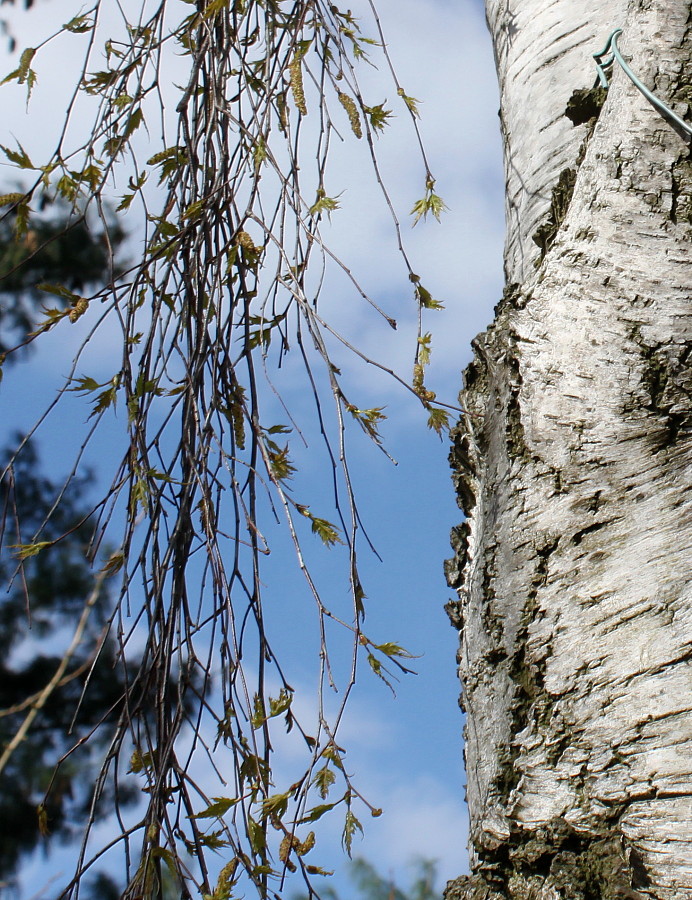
(193, 211)
(431, 203)
(280, 704)
(24, 74)
(276, 805)
(391, 649)
(79, 25)
(214, 7)
(280, 463)
(59, 291)
(139, 761)
(259, 153)
(259, 714)
(438, 421)
(368, 419)
(257, 835)
(410, 102)
(214, 841)
(133, 122)
(317, 812)
(323, 204)
(252, 769)
(328, 533)
(170, 161)
(332, 753)
(225, 881)
(378, 116)
(18, 157)
(114, 563)
(104, 400)
(85, 385)
(218, 808)
(323, 780)
(424, 348)
(351, 825)
(53, 316)
(425, 298)
(24, 551)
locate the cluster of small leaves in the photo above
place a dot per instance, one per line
(24, 74)
(438, 418)
(378, 116)
(380, 654)
(430, 204)
(222, 293)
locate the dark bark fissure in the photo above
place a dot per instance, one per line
(681, 191)
(583, 107)
(667, 383)
(585, 104)
(531, 702)
(680, 94)
(545, 235)
(579, 866)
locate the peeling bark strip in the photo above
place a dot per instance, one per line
(574, 565)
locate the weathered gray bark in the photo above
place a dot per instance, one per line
(574, 467)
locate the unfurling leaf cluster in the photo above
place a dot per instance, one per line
(430, 204)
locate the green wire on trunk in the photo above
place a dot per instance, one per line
(611, 48)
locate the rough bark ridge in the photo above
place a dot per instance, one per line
(574, 468)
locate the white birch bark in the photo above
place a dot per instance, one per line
(574, 467)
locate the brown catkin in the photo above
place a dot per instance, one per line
(79, 308)
(349, 104)
(296, 74)
(244, 240)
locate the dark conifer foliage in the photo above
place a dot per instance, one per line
(42, 599)
(60, 248)
(43, 595)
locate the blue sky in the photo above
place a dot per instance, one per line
(406, 751)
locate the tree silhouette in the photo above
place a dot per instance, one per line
(60, 248)
(44, 783)
(48, 770)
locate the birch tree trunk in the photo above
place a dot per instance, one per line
(574, 468)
